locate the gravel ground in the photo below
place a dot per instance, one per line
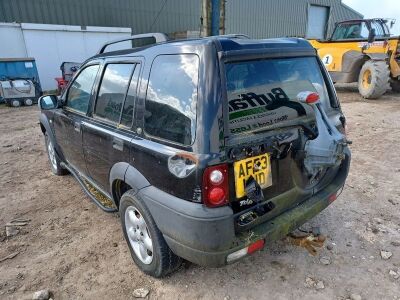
(77, 251)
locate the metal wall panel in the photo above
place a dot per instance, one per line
(141, 16)
(68, 43)
(257, 18)
(13, 44)
(272, 18)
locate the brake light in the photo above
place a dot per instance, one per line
(312, 98)
(215, 186)
(308, 97)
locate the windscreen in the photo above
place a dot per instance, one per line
(264, 92)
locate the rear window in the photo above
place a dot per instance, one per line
(170, 107)
(264, 92)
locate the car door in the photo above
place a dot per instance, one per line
(68, 120)
(107, 134)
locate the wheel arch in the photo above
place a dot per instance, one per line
(124, 177)
(377, 56)
(352, 63)
(46, 128)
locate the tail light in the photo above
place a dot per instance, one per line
(215, 186)
(308, 97)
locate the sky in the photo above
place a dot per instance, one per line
(378, 9)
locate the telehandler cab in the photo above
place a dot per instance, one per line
(363, 51)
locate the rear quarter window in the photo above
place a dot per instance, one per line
(171, 100)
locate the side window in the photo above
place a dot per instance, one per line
(379, 29)
(127, 111)
(113, 88)
(79, 93)
(349, 31)
(170, 107)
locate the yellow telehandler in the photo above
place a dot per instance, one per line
(363, 51)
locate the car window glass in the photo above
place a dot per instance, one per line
(264, 92)
(113, 88)
(379, 30)
(79, 93)
(127, 112)
(170, 107)
(351, 31)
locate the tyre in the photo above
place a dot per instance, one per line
(395, 84)
(28, 102)
(146, 243)
(15, 103)
(53, 159)
(374, 78)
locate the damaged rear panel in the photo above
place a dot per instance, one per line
(269, 129)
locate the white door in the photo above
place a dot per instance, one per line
(317, 21)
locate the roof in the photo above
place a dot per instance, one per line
(364, 20)
(223, 43)
(351, 9)
(17, 59)
(275, 43)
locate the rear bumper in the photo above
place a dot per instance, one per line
(206, 236)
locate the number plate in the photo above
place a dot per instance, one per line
(258, 166)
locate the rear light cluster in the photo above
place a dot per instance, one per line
(215, 186)
(308, 97)
(258, 245)
(312, 98)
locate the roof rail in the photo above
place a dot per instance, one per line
(159, 37)
(233, 35)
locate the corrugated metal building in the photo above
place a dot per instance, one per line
(257, 18)
(272, 18)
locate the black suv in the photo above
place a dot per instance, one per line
(208, 148)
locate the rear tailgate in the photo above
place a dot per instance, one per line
(268, 129)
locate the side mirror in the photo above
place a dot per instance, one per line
(371, 36)
(48, 102)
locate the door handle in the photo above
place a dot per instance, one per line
(77, 126)
(118, 144)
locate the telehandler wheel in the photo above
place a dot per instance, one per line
(374, 79)
(395, 84)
